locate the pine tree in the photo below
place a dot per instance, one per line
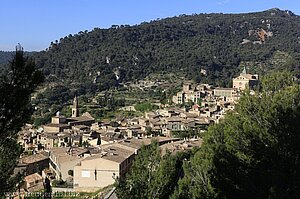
(254, 152)
(151, 175)
(16, 87)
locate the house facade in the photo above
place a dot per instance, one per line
(63, 159)
(102, 169)
(244, 81)
(188, 93)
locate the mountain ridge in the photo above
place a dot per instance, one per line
(217, 43)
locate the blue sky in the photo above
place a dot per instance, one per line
(35, 23)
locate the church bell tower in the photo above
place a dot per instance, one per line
(75, 110)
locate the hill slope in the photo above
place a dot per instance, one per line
(5, 56)
(217, 43)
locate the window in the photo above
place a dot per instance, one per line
(85, 174)
(95, 172)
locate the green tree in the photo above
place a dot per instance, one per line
(99, 140)
(80, 142)
(148, 130)
(254, 152)
(71, 172)
(186, 134)
(146, 106)
(69, 144)
(277, 81)
(141, 177)
(151, 175)
(86, 144)
(16, 87)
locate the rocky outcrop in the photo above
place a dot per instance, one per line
(260, 34)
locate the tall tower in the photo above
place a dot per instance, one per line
(75, 110)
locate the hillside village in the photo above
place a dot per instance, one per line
(87, 155)
(118, 100)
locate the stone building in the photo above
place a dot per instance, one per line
(244, 81)
(63, 159)
(188, 93)
(60, 123)
(101, 170)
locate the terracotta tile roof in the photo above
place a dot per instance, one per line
(33, 158)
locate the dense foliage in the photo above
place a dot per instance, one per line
(207, 48)
(146, 106)
(16, 87)
(5, 57)
(152, 175)
(187, 43)
(252, 153)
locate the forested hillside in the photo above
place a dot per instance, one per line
(216, 43)
(5, 56)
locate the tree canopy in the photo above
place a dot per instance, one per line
(16, 86)
(254, 152)
(209, 48)
(152, 175)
